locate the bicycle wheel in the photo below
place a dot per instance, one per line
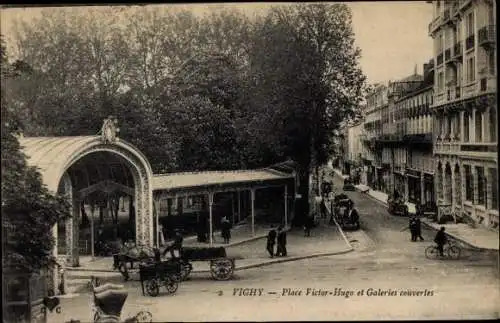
(431, 252)
(153, 287)
(454, 252)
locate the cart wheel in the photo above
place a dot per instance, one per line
(124, 271)
(431, 252)
(186, 270)
(153, 287)
(222, 269)
(171, 285)
(144, 317)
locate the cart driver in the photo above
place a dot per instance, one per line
(176, 245)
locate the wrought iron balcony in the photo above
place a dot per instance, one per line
(480, 147)
(440, 59)
(457, 51)
(434, 25)
(486, 35)
(469, 42)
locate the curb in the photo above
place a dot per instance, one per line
(427, 225)
(78, 269)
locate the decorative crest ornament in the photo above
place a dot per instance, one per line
(110, 130)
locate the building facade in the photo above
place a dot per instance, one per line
(376, 101)
(464, 108)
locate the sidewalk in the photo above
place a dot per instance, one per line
(247, 250)
(480, 238)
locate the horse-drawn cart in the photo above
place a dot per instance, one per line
(155, 275)
(221, 267)
(127, 258)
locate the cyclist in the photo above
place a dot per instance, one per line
(441, 240)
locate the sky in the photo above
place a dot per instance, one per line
(393, 36)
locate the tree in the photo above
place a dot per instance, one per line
(29, 210)
(306, 67)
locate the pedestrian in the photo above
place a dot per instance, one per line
(418, 229)
(441, 240)
(323, 208)
(176, 245)
(413, 228)
(226, 230)
(281, 248)
(271, 241)
(309, 223)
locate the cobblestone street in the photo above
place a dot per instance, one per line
(384, 258)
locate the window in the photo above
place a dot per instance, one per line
(471, 70)
(469, 21)
(468, 183)
(481, 185)
(479, 126)
(494, 188)
(493, 124)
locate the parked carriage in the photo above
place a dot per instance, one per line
(348, 184)
(221, 267)
(157, 274)
(345, 219)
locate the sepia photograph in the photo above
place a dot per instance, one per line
(253, 161)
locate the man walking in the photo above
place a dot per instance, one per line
(418, 229)
(281, 249)
(413, 228)
(271, 241)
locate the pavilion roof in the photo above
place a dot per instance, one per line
(216, 179)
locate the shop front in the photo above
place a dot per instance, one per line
(414, 185)
(399, 183)
(429, 193)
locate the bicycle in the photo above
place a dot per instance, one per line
(450, 250)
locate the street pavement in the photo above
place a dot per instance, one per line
(341, 287)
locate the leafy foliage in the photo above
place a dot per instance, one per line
(29, 210)
(220, 91)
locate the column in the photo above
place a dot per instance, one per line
(445, 186)
(72, 233)
(475, 184)
(156, 212)
(486, 125)
(453, 193)
(472, 126)
(210, 219)
(286, 206)
(488, 188)
(463, 183)
(462, 126)
(252, 197)
(55, 278)
(92, 234)
(232, 208)
(422, 187)
(405, 179)
(239, 207)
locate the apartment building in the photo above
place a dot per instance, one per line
(414, 177)
(464, 108)
(371, 156)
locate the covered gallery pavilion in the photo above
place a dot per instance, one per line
(90, 169)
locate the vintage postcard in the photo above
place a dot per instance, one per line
(250, 162)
